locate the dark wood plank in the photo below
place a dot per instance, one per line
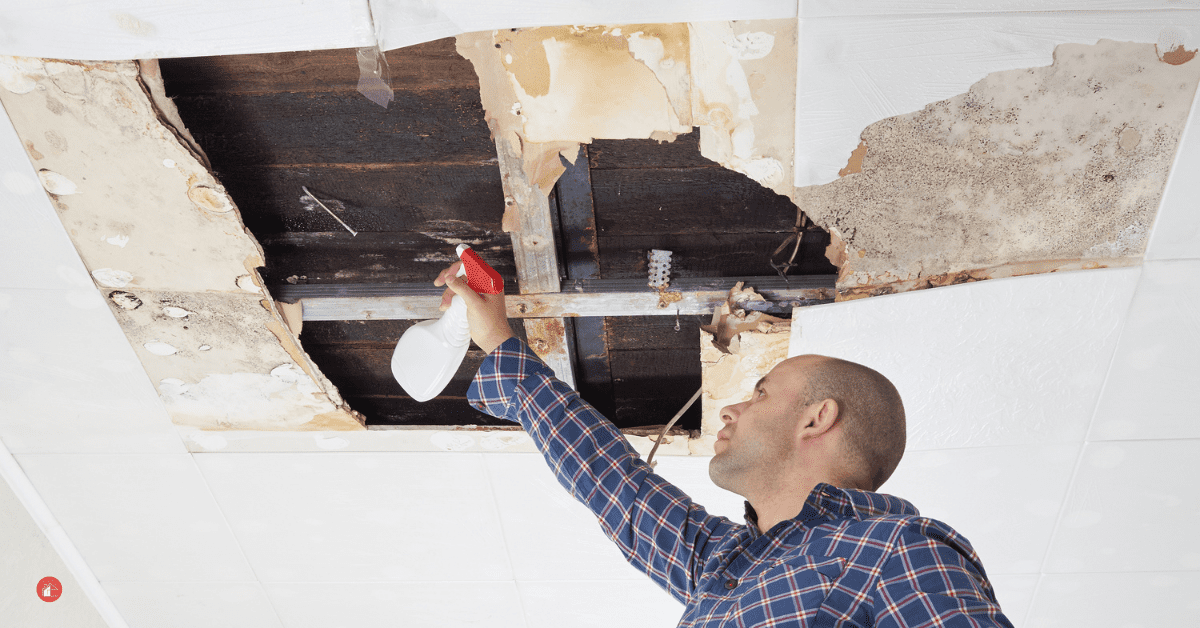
(442, 199)
(654, 333)
(444, 410)
(431, 65)
(444, 125)
(651, 386)
(684, 152)
(382, 257)
(636, 411)
(367, 369)
(686, 201)
(712, 254)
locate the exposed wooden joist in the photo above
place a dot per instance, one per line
(535, 255)
(599, 297)
(581, 253)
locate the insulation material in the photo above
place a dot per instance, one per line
(554, 87)
(165, 246)
(1032, 170)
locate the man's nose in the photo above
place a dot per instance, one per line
(729, 414)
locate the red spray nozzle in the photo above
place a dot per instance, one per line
(482, 278)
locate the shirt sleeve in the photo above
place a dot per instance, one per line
(934, 578)
(655, 524)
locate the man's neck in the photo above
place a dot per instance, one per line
(780, 503)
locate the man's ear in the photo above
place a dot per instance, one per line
(819, 418)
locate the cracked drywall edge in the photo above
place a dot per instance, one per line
(150, 77)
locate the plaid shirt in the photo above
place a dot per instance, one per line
(850, 558)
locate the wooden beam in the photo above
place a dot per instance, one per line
(535, 254)
(611, 297)
(581, 250)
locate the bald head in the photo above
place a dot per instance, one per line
(870, 412)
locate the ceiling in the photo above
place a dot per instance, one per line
(1043, 408)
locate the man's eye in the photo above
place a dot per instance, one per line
(760, 392)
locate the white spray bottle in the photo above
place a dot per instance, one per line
(430, 352)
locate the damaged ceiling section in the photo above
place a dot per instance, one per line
(1032, 170)
(165, 246)
(547, 90)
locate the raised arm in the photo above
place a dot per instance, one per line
(653, 522)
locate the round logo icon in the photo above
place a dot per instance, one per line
(49, 589)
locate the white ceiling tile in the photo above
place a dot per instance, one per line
(824, 8)
(550, 535)
(598, 604)
(1151, 390)
(690, 473)
(70, 381)
(1124, 600)
(26, 556)
(361, 517)
(1176, 233)
(997, 362)
(138, 517)
(145, 29)
(1015, 594)
(193, 604)
(1003, 499)
(1132, 506)
(387, 605)
(857, 70)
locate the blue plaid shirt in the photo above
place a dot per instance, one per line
(850, 558)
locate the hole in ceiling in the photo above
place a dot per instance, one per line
(417, 178)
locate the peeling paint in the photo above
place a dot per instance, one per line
(210, 199)
(56, 183)
(118, 240)
(160, 348)
(112, 278)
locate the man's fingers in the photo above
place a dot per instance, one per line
(460, 287)
(444, 277)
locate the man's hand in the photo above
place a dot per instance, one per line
(485, 312)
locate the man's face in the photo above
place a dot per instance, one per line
(759, 434)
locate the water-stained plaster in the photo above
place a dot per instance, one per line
(571, 84)
(165, 247)
(1032, 170)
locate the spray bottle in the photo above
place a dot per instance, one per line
(430, 352)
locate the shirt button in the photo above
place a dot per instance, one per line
(731, 584)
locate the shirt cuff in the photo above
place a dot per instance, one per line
(502, 371)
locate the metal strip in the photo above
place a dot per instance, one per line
(421, 301)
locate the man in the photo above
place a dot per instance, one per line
(807, 450)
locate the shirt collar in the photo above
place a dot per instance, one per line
(827, 502)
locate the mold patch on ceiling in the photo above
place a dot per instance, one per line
(165, 246)
(1032, 170)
